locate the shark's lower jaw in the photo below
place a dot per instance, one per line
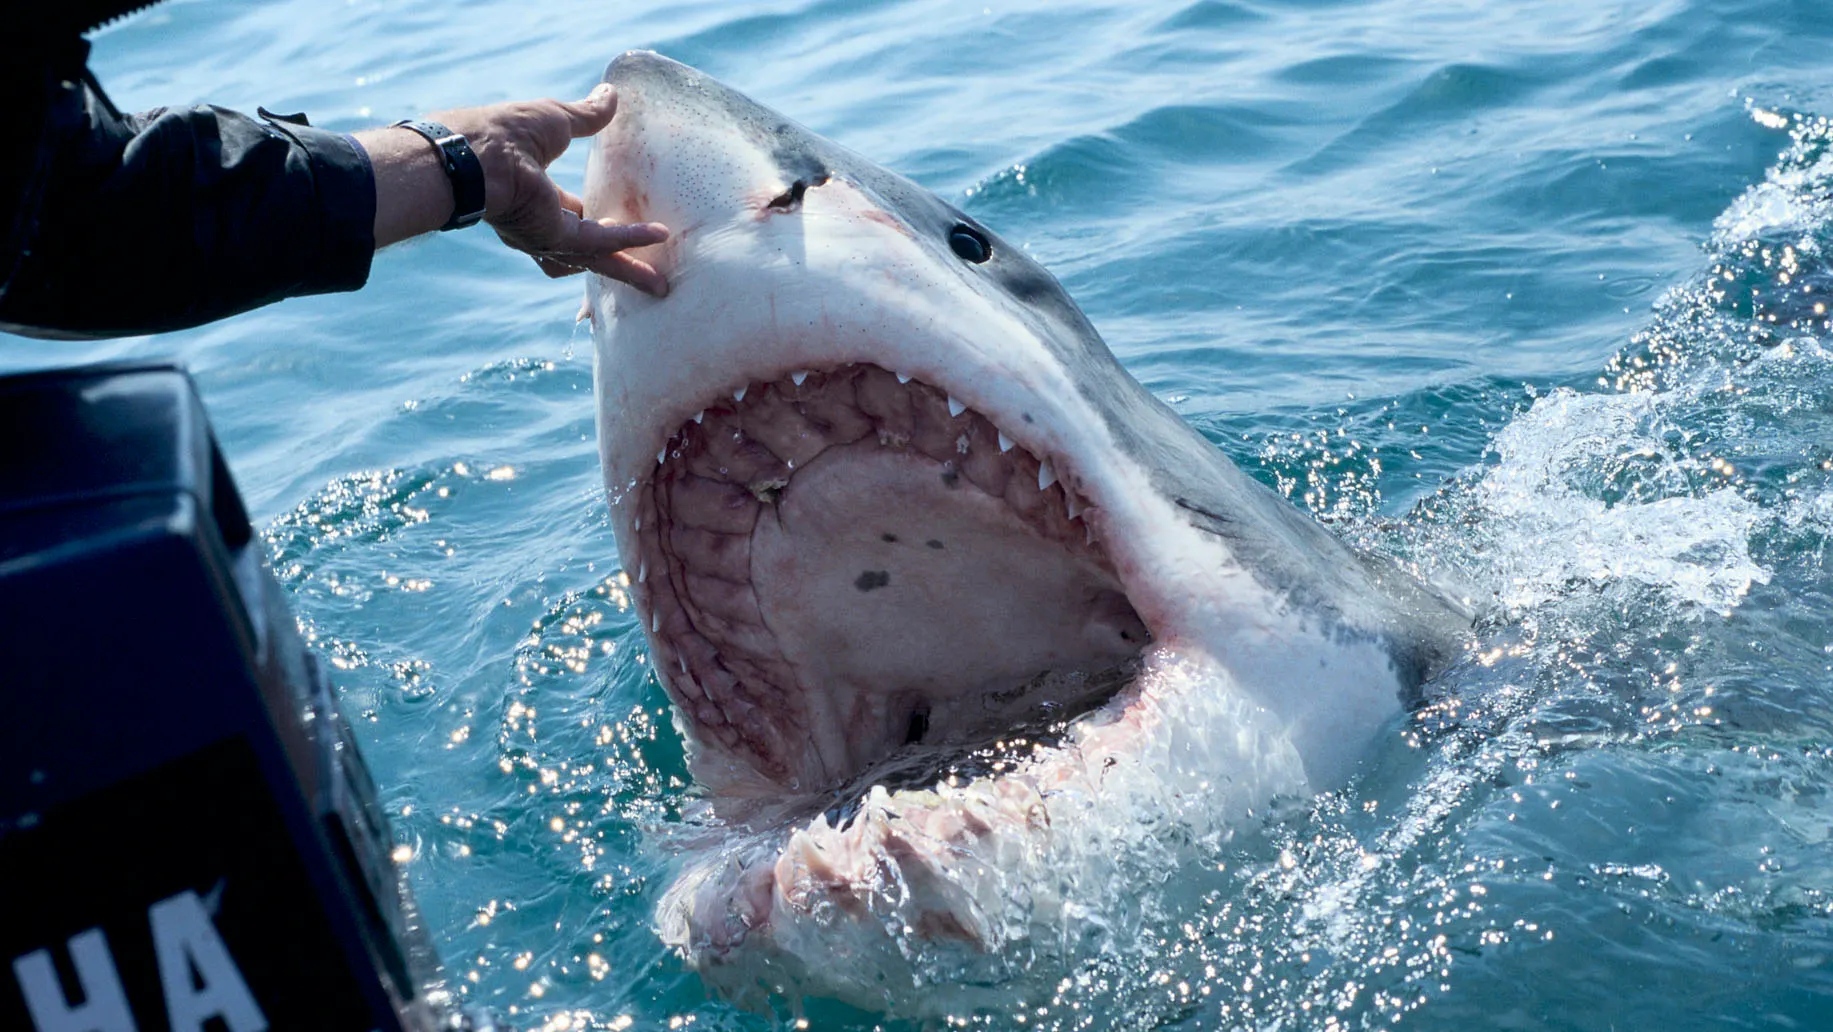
(845, 562)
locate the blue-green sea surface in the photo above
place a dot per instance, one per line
(1528, 293)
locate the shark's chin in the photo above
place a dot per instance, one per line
(846, 562)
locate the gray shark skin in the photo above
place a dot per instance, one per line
(847, 366)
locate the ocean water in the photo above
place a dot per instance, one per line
(1527, 293)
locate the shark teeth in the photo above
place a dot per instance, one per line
(681, 658)
(798, 376)
(700, 415)
(902, 377)
(1005, 443)
(1045, 475)
(1069, 505)
(655, 621)
(662, 456)
(739, 394)
(642, 572)
(955, 408)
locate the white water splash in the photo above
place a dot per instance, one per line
(1788, 200)
(1550, 531)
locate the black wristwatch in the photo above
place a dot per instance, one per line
(465, 172)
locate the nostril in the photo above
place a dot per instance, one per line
(791, 199)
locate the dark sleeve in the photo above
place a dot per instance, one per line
(173, 218)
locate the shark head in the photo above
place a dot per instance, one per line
(883, 492)
(853, 434)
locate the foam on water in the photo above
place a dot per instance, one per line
(1550, 537)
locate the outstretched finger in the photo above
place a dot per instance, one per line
(621, 267)
(600, 247)
(634, 271)
(588, 236)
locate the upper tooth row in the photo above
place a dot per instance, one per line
(1045, 475)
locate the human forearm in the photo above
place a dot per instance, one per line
(412, 194)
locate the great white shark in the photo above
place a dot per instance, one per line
(955, 616)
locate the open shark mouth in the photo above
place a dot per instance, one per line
(844, 562)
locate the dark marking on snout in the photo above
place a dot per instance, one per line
(872, 580)
(889, 539)
(951, 477)
(933, 543)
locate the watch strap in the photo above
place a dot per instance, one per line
(463, 170)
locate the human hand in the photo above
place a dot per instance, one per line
(514, 142)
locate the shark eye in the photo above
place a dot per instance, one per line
(969, 243)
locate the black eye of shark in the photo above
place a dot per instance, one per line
(969, 243)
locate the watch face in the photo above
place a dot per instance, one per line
(467, 175)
